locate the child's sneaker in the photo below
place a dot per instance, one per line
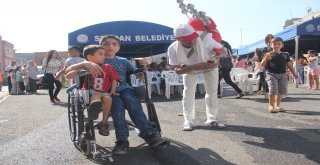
(240, 95)
(57, 100)
(94, 109)
(103, 129)
(52, 101)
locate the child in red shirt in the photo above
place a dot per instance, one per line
(102, 86)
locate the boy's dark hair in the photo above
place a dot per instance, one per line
(103, 39)
(276, 39)
(74, 47)
(268, 38)
(91, 50)
(313, 52)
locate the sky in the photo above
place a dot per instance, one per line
(41, 25)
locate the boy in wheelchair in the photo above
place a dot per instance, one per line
(102, 87)
(126, 100)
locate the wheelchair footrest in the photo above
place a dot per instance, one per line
(94, 109)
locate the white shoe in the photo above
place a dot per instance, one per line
(187, 127)
(216, 124)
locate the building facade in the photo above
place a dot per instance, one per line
(6, 54)
(37, 57)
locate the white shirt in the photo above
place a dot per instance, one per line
(314, 63)
(208, 43)
(53, 67)
(73, 60)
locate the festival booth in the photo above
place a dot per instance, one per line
(138, 39)
(298, 39)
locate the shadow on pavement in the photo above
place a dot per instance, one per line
(61, 104)
(308, 94)
(301, 141)
(286, 99)
(175, 97)
(174, 154)
(297, 112)
(40, 94)
(298, 99)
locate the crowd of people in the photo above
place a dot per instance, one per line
(196, 51)
(21, 79)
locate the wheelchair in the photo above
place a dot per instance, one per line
(81, 123)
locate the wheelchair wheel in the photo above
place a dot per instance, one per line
(85, 144)
(153, 117)
(79, 107)
(72, 118)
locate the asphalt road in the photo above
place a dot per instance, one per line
(33, 131)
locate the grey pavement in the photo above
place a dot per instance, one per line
(253, 135)
(4, 93)
(33, 131)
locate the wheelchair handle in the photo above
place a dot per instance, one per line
(138, 70)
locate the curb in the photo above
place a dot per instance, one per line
(3, 95)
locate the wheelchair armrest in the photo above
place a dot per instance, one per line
(70, 89)
(138, 70)
(83, 73)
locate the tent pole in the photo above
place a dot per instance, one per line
(296, 81)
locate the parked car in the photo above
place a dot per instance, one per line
(40, 74)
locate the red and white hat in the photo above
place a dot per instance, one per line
(185, 32)
(198, 25)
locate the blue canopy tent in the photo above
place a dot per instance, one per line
(138, 39)
(298, 39)
(303, 36)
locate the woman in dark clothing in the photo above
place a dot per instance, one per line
(225, 69)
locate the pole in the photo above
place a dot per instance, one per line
(240, 37)
(296, 85)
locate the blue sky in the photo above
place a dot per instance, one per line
(41, 25)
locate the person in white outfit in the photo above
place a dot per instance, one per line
(191, 55)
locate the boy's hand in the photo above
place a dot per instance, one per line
(93, 68)
(267, 56)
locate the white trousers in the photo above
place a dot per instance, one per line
(188, 101)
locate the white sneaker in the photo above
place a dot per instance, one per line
(187, 127)
(216, 124)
